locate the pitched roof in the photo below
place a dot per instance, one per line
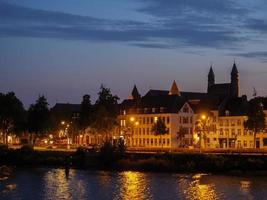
(220, 89)
(237, 106)
(168, 103)
(174, 89)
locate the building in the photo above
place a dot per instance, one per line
(220, 112)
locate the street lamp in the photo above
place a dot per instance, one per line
(201, 127)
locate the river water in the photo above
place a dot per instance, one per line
(46, 183)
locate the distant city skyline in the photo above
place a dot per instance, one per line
(67, 48)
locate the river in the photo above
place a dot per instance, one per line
(47, 183)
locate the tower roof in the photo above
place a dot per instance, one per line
(211, 73)
(174, 89)
(234, 69)
(135, 93)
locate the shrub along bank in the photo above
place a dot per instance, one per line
(114, 158)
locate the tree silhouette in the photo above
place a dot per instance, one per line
(86, 112)
(12, 114)
(159, 128)
(106, 112)
(38, 118)
(256, 117)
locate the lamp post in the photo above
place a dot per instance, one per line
(201, 126)
(66, 132)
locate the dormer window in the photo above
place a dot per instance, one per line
(161, 109)
(153, 110)
(227, 112)
(185, 109)
(145, 110)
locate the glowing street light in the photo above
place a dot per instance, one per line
(203, 117)
(132, 119)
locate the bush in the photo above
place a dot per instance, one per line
(26, 149)
(3, 147)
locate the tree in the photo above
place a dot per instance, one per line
(105, 114)
(38, 118)
(86, 112)
(12, 114)
(159, 128)
(256, 117)
(181, 136)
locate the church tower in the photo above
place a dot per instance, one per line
(135, 94)
(234, 81)
(211, 79)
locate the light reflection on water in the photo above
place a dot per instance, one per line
(41, 183)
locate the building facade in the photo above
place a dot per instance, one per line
(211, 120)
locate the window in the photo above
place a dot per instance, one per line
(147, 131)
(168, 120)
(221, 131)
(151, 120)
(227, 131)
(239, 132)
(144, 131)
(163, 141)
(238, 122)
(151, 141)
(168, 141)
(185, 120)
(233, 123)
(221, 122)
(156, 142)
(153, 110)
(251, 144)
(227, 122)
(124, 112)
(146, 109)
(238, 144)
(147, 141)
(161, 109)
(185, 109)
(264, 141)
(245, 143)
(233, 132)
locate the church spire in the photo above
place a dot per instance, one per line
(234, 81)
(135, 93)
(174, 89)
(211, 78)
(234, 69)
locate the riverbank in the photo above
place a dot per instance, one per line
(160, 162)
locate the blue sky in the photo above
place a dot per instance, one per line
(66, 48)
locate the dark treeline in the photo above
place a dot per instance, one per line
(39, 120)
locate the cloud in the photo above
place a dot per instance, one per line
(261, 55)
(175, 24)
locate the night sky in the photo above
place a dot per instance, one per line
(66, 48)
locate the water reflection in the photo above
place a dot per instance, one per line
(43, 184)
(245, 187)
(57, 185)
(197, 188)
(133, 185)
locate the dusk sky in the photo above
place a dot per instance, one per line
(66, 48)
